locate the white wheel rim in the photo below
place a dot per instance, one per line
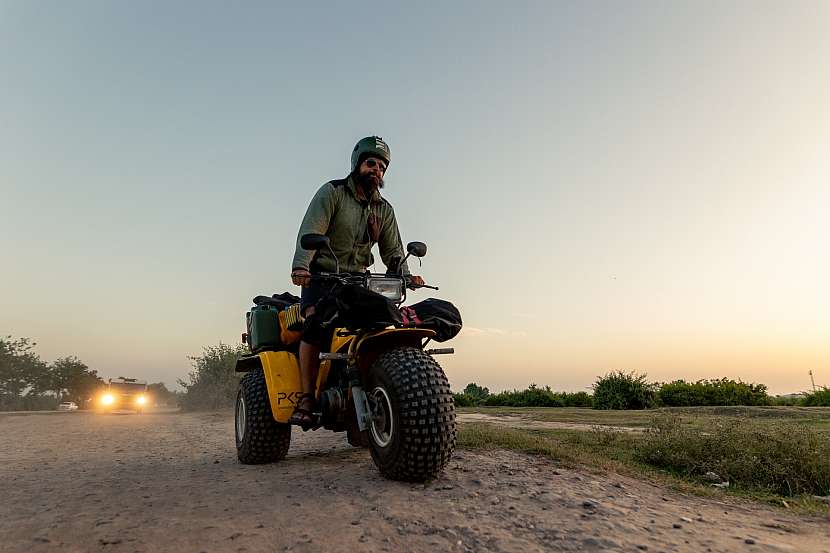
(383, 420)
(240, 418)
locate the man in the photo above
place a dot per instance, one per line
(355, 217)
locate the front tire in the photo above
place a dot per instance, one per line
(259, 438)
(412, 433)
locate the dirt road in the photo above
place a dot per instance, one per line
(171, 482)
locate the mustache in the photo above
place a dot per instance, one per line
(367, 180)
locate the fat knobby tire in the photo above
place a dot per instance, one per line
(420, 393)
(265, 440)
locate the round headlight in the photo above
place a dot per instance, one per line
(141, 400)
(107, 399)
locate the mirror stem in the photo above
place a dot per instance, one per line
(336, 262)
(400, 265)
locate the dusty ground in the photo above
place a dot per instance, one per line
(171, 482)
(518, 421)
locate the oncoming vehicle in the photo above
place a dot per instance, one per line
(123, 393)
(377, 381)
(68, 406)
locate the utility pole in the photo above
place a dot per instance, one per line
(812, 380)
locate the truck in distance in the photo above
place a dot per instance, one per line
(123, 393)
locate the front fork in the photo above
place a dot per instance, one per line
(361, 402)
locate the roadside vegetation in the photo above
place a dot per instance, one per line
(620, 390)
(818, 398)
(699, 436)
(778, 454)
(213, 382)
(28, 383)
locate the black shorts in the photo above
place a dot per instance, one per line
(313, 332)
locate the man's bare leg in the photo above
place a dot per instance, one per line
(309, 366)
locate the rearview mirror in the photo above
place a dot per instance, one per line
(418, 249)
(314, 242)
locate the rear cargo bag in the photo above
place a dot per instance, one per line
(438, 315)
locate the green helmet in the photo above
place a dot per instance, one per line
(371, 145)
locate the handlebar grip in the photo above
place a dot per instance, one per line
(426, 286)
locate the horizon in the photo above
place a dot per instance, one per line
(638, 187)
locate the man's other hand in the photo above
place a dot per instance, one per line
(414, 282)
(301, 277)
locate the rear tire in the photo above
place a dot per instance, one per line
(412, 434)
(259, 438)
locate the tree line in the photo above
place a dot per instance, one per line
(629, 390)
(29, 383)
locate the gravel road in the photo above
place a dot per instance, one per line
(171, 482)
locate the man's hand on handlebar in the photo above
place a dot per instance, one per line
(301, 277)
(414, 282)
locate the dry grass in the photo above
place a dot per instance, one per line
(773, 454)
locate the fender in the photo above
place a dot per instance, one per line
(282, 377)
(368, 347)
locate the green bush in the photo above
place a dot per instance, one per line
(530, 397)
(818, 398)
(787, 401)
(464, 400)
(212, 383)
(534, 396)
(621, 390)
(712, 393)
(578, 399)
(784, 458)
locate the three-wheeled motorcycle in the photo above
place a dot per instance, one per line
(377, 382)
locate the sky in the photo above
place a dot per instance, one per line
(639, 186)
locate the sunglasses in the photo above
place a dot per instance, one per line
(372, 163)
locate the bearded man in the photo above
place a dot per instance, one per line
(355, 217)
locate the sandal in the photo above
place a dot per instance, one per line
(304, 415)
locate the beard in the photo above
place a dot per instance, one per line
(369, 181)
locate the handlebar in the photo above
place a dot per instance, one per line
(416, 286)
(359, 277)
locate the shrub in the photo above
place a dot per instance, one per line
(464, 400)
(530, 397)
(784, 458)
(621, 390)
(712, 393)
(787, 401)
(533, 396)
(578, 399)
(476, 392)
(212, 383)
(817, 398)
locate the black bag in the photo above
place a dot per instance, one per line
(280, 301)
(359, 308)
(439, 315)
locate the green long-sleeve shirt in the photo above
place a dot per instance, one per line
(336, 212)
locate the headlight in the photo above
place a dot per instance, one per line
(391, 288)
(107, 399)
(141, 400)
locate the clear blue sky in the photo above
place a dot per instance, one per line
(602, 185)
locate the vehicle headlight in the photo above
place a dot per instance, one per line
(391, 288)
(141, 400)
(107, 399)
